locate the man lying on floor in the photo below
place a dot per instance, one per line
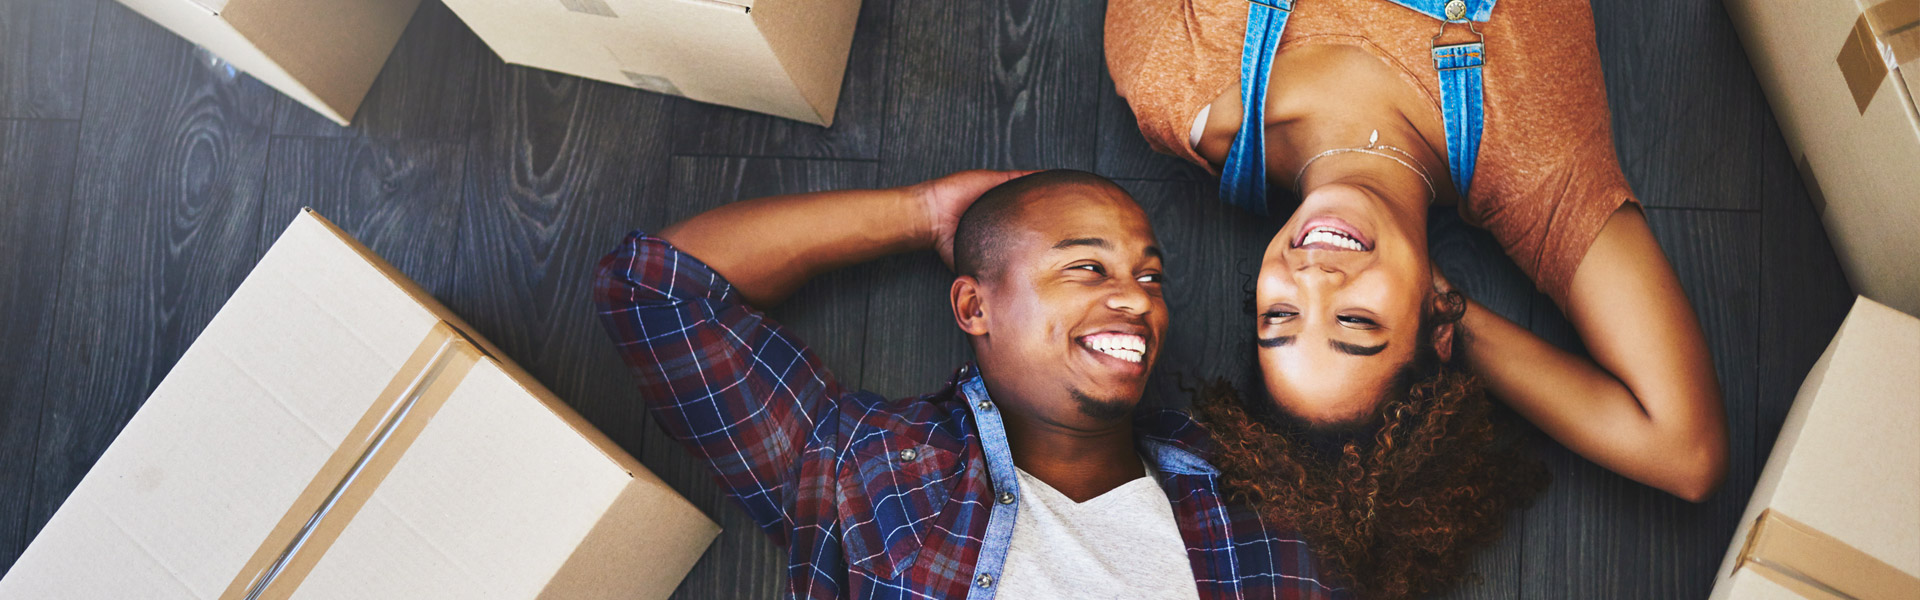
(1027, 476)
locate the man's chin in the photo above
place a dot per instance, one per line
(1107, 409)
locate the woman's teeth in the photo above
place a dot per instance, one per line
(1331, 237)
(1127, 347)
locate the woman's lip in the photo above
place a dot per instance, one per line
(1334, 223)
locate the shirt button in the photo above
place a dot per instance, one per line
(1006, 497)
(1456, 9)
(986, 406)
(909, 454)
(985, 580)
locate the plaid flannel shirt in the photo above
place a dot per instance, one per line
(873, 498)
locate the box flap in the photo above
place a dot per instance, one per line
(489, 502)
(495, 494)
(1854, 471)
(235, 432)
(1847, 462)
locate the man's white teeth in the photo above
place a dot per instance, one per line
(1331, 237)
(1130, 348)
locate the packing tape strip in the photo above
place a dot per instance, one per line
(356, 468)
(1883, 38)
(1816, 565)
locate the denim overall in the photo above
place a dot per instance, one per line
(1243, 180)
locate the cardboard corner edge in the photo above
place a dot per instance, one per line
(794, 31)
(644, 545)
(607, 447)
(1759, 503)
(1863, 312)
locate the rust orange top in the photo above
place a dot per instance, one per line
(1547, 178)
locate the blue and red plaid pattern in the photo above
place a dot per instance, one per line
(875, 498)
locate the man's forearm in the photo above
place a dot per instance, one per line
(768, 247)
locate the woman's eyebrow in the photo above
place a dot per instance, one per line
(1355, 349)
(1275, 342)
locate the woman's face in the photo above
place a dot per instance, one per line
(1339, 298)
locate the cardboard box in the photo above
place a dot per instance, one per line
(780, 57)
(337, 433)
(323, 54)
(1842, 77)
(1836, 512)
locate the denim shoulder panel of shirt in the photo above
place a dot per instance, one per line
(1169, 459)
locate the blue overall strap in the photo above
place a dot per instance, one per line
(1243, 180)
(1461, 86)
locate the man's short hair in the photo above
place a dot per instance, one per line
(981, 234)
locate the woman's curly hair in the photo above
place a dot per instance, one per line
(1396, 510)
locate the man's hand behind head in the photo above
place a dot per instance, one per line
(946, 198)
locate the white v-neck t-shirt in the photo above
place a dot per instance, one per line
(1121, 544)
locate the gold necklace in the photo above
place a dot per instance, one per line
(1373, 141)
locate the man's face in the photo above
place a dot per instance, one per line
(1075, 312)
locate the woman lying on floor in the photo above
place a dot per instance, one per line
(1372, 433)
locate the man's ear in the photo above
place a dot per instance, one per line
(969, 308)
(1443, 341)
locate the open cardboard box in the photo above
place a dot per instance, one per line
(1836, 512)
(337, 433)
(1842, 76)
(781, 57)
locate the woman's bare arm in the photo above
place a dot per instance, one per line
(1647, 405)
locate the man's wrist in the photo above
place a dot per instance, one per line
(916, 201)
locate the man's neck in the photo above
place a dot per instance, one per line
(1079, 464)
(1080, 461)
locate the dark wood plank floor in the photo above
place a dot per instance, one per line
(139, 183)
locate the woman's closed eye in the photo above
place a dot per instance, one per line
(1357, 322)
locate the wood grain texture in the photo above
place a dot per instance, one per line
(36, 188)
(44, 46)
(1803, 294)
(1001, 84)
(708, 129)
(400, 198)
(164, 225)
(829, 314)
(1687, 110)
(558, 169)
(425, 91)
(1595, 534)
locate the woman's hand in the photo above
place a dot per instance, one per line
(946, 198)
